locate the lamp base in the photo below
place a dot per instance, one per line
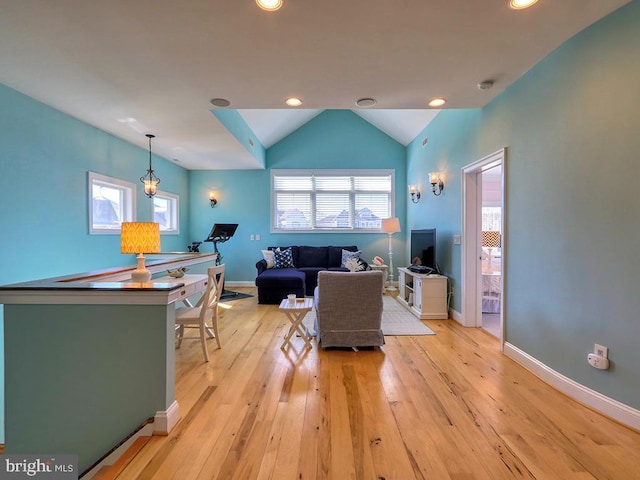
(140, 274)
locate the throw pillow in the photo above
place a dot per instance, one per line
(268, 256)
(283, 258)
(346, 254)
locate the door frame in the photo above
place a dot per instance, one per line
(471, 235)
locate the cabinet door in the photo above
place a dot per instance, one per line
(417, 292)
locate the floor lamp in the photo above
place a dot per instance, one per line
(390, 226)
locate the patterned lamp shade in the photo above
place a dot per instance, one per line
(491, 239)
(140, 237)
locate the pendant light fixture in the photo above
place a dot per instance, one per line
(150, 181)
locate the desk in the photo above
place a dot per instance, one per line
(295, 312)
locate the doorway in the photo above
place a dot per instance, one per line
(491, 248)
(483, 266)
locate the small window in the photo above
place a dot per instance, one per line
(111, 202)
(331, 200)
(166, 211)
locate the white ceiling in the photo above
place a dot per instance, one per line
(135, 67)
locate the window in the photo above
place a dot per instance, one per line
(111, 202)
(165, 210)
(331, 200)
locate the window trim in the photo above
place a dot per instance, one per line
(329, 172)
(129, 200)
(174, 198)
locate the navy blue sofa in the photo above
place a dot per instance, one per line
(274, 284)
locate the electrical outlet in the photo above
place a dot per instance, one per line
(457, 240)
(257, 236)
(601, 351)
(253, 237)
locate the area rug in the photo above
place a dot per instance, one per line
(396, 320)
(228, 295)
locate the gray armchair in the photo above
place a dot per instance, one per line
(349, 309)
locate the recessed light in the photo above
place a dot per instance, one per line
(437, 102)
(220, 102)
(293, 102)
(269, 5)
(520, 4)
(366, 102)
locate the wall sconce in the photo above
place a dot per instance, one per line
(212, 200)
(437, 185)
(150, 181)
(415, 193)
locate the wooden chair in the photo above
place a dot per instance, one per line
(206, 309)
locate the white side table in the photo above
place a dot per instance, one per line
(295, 312)
(384, 269)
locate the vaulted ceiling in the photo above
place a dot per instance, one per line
(143, 66)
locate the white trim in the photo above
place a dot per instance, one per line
(174, 199)
(614, 409)
(324, 173)
(114, 456)
(457, 316)
(471, 273)
(165, 420)
(129, 201)
(240, 283)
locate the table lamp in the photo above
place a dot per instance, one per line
(140, 238)
(491, 239)
(390, 226)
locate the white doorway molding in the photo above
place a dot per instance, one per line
(471, 315)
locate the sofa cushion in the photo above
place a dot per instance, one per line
(346, 255)
(283, 259)
(269, 258)
(312, 257)
(282, 278)
(335, 255)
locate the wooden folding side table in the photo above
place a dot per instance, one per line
(295, 312)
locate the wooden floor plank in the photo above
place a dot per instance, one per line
(444, 407)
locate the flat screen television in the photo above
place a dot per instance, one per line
(423, 247)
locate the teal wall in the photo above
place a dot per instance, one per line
(334, 139)
(44, 159)
(234, 122)
(450, 145)
(572, 226)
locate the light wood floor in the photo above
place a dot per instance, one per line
(448, 406)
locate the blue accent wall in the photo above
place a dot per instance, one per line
(236, 125)
(44, 159)
(335, 139)
(572, 231)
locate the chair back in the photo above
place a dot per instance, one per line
(212, 294)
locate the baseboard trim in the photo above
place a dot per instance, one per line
(614, 409)
(240, 283)
(457, 316)
(116, 454)
(165, 420)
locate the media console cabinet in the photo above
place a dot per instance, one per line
(424, 295)
(90, 358)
